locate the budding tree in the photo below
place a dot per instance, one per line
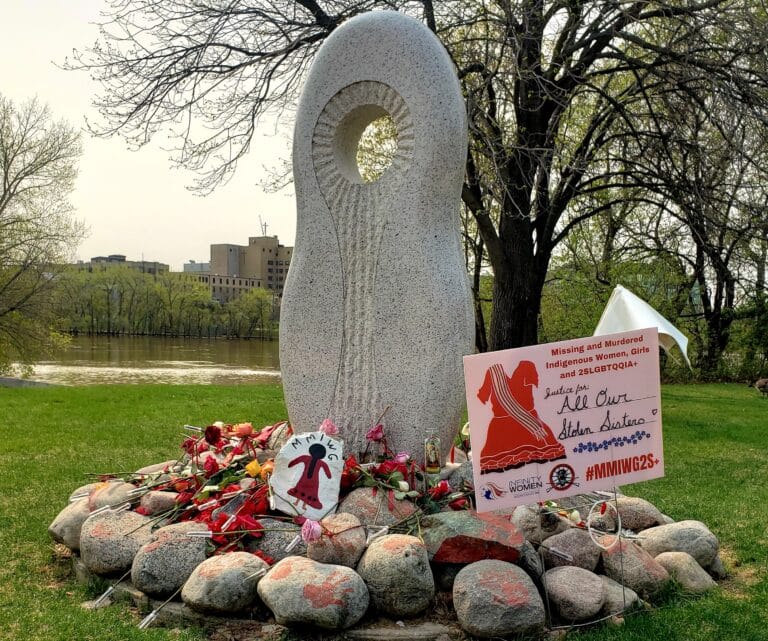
(37, 170)
(554, 90)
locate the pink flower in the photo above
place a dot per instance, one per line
(311, 531)
(376, 433)
(402, 457)
(328, 427)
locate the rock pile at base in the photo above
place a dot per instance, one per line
(498, 569)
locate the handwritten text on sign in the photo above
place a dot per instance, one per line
(553, 420)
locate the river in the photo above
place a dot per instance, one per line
(98, 360)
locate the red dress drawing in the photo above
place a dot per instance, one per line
(516, 435)
(306, 488)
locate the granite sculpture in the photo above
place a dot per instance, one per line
(377, 310)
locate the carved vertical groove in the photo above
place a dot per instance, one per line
(360, 221)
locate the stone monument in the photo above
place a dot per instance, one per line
(377, 310)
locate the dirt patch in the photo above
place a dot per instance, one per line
(740, 577)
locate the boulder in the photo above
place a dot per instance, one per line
(84, 491)
(157, 468)
(342, 541)
(65, 528)
(224, 584)
(395, 567)
(574, 593)
(494, 598)
(717, 570)
(154, 502)
(112, 493)
(692, 537)
(572, 547)
(630, 565)
(277, 536)
(462, 477)
(163, 565)
(684, 569)
(110, 540)
(466, 536)
(538, 525)
(618, 598)
(372, 507)
(638, 514)
(299, 590)
(531, 562)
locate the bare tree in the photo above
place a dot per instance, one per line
(37, 171)
(550, 86)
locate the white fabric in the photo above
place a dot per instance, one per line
(625, 312)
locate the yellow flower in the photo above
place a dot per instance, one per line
(253, 468)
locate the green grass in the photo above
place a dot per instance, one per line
(716, 451)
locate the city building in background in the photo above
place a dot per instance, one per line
(235, 269)
(101, 263)
(193, 267)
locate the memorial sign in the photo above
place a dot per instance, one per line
(553, 420)
(307, 475)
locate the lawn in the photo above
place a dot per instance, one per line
(716, 451)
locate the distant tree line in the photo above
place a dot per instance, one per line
(120, 300)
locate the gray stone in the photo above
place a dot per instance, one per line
(395, 567)
(618, 598)
(495, 598)
(684, 569)
(224, 584)
(575, 594)
(390, 341)
(158, 502)
(630, 565)
(65, 528)
(572, 547)
(342, 541)
(277, 536)
(538, 525)
(299, 590)
(638, 514)
(110, 540)
(157, 468)
(280, 436)
(466, 536)
(717, 570)
(112, 494)
(692, 537)
(461, 478)
(84, 491)
(161, 566)
(531, 562)
(372, 507)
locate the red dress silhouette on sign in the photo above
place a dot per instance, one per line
(516, 435)
(306, 489)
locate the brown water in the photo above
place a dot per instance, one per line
(102, 360)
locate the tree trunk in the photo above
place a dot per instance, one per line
(516, 304)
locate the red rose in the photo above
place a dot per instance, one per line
(213, 434)
(388, 467)
(440, 490)
(211, 466)
(350, 474)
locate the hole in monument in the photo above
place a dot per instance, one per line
(376, 149)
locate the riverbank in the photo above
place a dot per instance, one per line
(716, 454)
(7, 381)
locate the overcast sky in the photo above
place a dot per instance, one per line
(133, 202)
